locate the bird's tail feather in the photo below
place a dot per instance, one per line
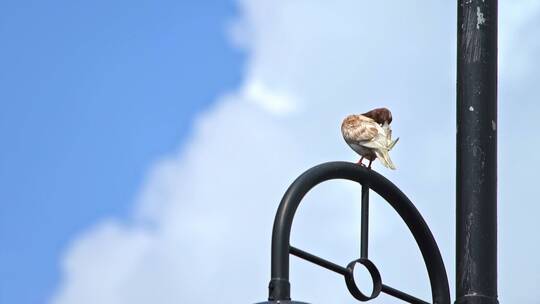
(394, 142)
(384, 157)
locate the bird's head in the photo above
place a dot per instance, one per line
(380, 115)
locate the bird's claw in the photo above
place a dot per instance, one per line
(361, 164)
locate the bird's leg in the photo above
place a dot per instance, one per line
(360, 162)
(370, 161)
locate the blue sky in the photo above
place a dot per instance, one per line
(91, 93)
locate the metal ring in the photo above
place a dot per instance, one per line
(375, 277)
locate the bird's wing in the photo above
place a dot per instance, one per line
(365, 131)
(387, 130)
(381, 141)
(390, 143)
(378, 143)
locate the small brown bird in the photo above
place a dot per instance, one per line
(369, 135)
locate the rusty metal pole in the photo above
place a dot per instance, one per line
(476, 167)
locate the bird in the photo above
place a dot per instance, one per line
(370, 135)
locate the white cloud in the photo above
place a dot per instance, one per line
(201, 227)
(273, 101)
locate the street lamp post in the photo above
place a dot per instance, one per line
(476, 153)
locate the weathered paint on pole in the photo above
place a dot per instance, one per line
(476, 167)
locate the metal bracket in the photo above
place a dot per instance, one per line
(279, 287)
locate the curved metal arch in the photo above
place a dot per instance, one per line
(279, 288)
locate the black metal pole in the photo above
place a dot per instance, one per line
(476, 167)
(364, 223)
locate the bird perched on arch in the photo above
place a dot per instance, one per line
(369, 135)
